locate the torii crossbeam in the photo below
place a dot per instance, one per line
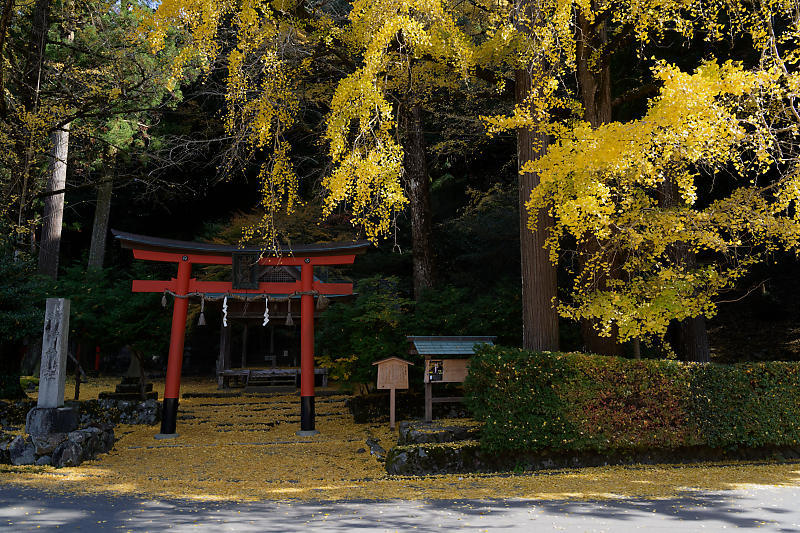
(186, 253)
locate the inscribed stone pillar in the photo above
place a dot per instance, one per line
(54, 353)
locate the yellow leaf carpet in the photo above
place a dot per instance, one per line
(245, 448)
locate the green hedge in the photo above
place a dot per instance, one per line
(533, 401)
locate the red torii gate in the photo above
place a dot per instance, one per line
(186, 253)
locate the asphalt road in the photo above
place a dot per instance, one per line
(769, 509)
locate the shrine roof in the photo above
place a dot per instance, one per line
(146, 242)
(443, 345)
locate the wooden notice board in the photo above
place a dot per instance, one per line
(445, 370)
(393, 374)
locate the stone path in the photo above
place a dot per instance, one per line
(769, 509)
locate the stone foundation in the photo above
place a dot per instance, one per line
(57, 449)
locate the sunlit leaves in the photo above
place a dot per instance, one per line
(606, 188)
(361, 128)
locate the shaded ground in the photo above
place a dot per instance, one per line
(245, 449)
(770, 509)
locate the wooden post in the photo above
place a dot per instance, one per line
(77, 395)
(391, 408)
(244, 345)
(224, 361)
(392, 375)
(428, 402)
(272, 353)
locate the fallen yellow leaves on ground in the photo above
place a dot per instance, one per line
(245, 448)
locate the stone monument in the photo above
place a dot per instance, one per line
(50, 417)
(53, 437)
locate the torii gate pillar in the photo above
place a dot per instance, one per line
(307, 351)
(177, 337)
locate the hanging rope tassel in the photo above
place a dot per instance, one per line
(164, 300)
(202, 320)
(266, 311)
(289, 321)
(225, 312)
(322, 302)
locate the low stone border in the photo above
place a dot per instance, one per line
(468, 456)
(97, 419)
(108, 411)
(415, 432)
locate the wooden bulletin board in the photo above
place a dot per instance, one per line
(393, 375)
(445, 370)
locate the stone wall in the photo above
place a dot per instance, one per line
(97, 419)
(57, 449)
(436, 448)
(148, 412)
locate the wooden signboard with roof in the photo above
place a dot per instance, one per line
(446, 361)
(392, 375)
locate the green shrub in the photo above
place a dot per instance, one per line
(22, 302)
(533, 401)
(747, 404)
(351, 336)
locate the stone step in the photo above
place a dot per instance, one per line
(129, 396)
(133, 387)
(417, 432)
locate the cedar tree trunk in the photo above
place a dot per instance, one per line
(102, 211)
(539, 316)
(50, 242)
(417, 185)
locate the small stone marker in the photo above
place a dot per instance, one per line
(53, 372)
(392, 375)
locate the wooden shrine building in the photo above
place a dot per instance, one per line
(268, 350)
(250, 273)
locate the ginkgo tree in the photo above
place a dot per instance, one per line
(632, 201)
(265, 49)
(409, 50)
(395, 53)
(570, 47)
(633, 188)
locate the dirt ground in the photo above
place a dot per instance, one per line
(245, 448)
